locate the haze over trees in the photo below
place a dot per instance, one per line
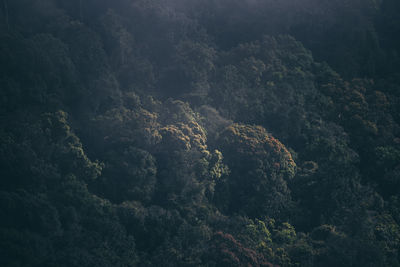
(199, 133)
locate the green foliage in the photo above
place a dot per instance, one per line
(260, 168)
(128, 174)
(227, 251)
(68, 151)
(128, 133)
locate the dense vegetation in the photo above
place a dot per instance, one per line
(200, 133)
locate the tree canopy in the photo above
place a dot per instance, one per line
(199, 133)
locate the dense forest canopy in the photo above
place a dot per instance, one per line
(199, 133)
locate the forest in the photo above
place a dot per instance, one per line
(199, 133)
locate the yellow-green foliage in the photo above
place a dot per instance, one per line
(218, 168)
(269, 239)
(129, 125)
(174, 137)
(380, 101)
(286, 233)
(258, 232)
(253, 140)
(387, 232)
(70, 147)
(184, 136)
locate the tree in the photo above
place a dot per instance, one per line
(260, 167)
